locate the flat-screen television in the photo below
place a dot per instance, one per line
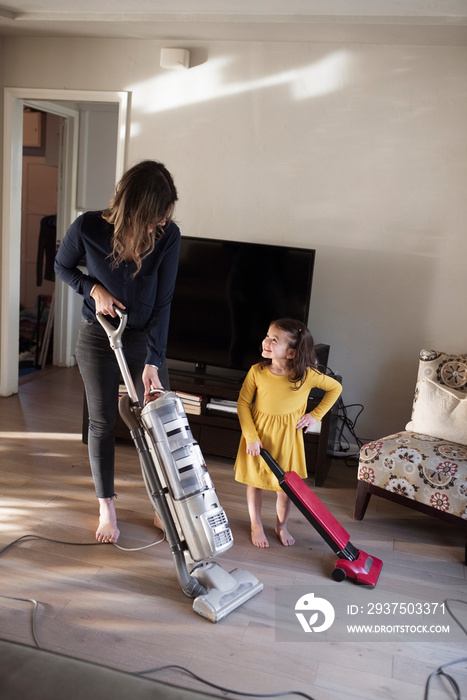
(226, 295)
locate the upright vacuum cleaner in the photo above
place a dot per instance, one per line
(352, 562)
(182, 493)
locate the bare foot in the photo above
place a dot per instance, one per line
(285, 536)
(158, 522)
(258, 537)
(107, 530)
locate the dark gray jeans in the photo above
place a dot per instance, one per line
(101, 376)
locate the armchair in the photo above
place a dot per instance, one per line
(425, 465)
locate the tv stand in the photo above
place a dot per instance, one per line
(218, 432)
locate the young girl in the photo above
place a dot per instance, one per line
(272, 413)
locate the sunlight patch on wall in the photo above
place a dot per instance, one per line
(322, 78)
(203, 83)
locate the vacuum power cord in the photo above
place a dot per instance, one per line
(220, 687)
(440, 671)
(76, 544)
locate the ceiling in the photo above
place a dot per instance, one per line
(368, 21)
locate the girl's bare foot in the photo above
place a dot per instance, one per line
(258, 537)
(285, 536)
(107, 530)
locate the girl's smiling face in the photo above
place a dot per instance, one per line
(276, 345)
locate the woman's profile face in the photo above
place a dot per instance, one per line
(152, 227)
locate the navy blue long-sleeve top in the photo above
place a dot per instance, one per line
(147, 296)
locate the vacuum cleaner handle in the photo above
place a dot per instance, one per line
(114, 334)
(272, 464)
(115, 338)
(154, 394)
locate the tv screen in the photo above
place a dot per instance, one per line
(226, 295)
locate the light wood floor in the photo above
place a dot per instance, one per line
(125, 609)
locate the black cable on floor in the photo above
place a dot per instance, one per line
(36, 605)
(47, 539)
(440, 671)
(222, 688)
(80, 544)
(76, 544)
(31, 600)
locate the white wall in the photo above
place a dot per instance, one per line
(358, 151)
(98, 133)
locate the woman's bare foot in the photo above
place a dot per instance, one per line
(258, 537)
(107, 530)
(284, 536)
(158, 522)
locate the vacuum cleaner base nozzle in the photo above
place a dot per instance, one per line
(365, 569)
(226, 591)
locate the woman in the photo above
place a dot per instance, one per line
(130, 252)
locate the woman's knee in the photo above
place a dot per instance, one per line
(102, 428)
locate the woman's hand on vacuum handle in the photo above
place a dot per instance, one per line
(104, 301)
(151, 381)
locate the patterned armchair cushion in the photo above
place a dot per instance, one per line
(426, 469)
(440, 401)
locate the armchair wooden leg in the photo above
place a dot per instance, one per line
(362, 500)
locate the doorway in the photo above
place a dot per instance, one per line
(65, 309)
(40, 166)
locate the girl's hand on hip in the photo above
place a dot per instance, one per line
(253, 448)
(105, 302)
(306, 422)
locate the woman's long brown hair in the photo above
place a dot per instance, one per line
(145, 196)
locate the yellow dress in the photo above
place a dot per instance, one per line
(268, 410)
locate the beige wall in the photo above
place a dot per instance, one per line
(358, 151)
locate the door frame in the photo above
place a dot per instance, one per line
(14, 100)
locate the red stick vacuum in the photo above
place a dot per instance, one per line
(352, 562)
